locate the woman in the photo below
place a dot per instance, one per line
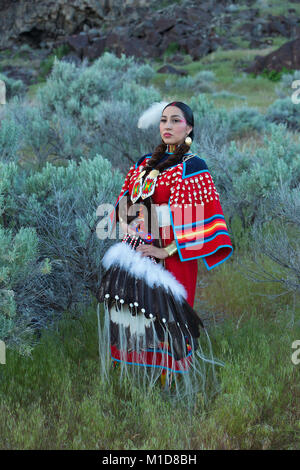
(170, 212)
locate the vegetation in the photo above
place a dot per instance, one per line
(57, 156)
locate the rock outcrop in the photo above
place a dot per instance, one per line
(144, 29)
(140, 27)
(288, 56)
(35, 21)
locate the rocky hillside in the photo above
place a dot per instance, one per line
(192, 27)
(140, 27)
(147, 29)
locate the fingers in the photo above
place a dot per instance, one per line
(144, 250)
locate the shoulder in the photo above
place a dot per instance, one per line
(193, 166)
(142, 159)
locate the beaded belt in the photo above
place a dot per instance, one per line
(134, 242)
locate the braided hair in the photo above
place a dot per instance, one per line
(172, 159)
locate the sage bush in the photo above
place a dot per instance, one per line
(50, 252)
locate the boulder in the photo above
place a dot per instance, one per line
(78, 43)
(288, 55)
(96, 48)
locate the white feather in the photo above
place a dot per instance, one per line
(152, 115)
(137, 324)
(142, 267)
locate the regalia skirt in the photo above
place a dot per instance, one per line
(148, 328)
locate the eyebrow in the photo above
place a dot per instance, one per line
(173, 115)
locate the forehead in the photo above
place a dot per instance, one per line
(170, 110)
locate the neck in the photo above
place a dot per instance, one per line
(171, 148)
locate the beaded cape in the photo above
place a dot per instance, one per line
(196, 214)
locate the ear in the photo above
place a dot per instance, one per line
(189, 129)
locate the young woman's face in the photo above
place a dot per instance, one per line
(173, 126)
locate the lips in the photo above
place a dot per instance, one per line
(167, 134)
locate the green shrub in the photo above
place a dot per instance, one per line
(286, 112)
(50, 253)
(246, 179)
(47, 64)
(13, 87)
(273, 75)
(74, 114)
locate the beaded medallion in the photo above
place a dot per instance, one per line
(149, 184)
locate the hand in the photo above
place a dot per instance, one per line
(150, 250)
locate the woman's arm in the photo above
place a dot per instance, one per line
(160, 253)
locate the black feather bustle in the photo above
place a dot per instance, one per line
(175, 318)
(161, 304)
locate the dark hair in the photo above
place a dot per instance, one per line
(174, 158)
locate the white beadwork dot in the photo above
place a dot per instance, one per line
(130, 305)
(164, 320)
(107, 296)
(136, 304)
(150, 315)
(121, 301)
(143, 310)
(116, 297)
